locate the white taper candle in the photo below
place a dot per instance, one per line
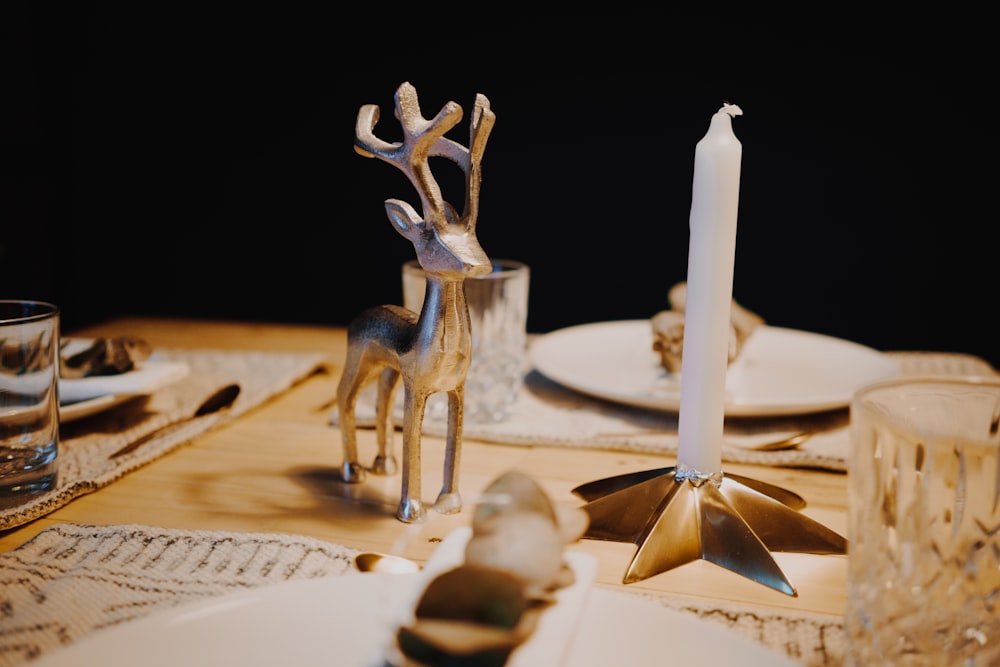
(711, 258)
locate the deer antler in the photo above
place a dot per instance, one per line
(411, 156)
(423, 139)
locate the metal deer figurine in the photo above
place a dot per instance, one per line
(431, 350)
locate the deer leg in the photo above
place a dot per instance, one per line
(385, 460)
(411, 506)
(449, 501)
(351, 380)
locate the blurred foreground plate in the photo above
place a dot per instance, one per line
(779, 371)
(346, 620)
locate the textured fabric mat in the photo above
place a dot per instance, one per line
(86, 445)
(71, 580)
(546, 413)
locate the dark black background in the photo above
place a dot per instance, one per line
(199, 162)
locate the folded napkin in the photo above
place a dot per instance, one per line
(546, 413)
(550, 640)
(71, 580)
(87, 445)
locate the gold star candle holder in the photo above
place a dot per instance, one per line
(730, 520)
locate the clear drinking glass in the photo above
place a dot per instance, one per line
(29, 399)
(924, 524)
(498, 308)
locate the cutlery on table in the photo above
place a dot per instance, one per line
(789, 442)
(370, 561)
(218, 400)
(780, 444)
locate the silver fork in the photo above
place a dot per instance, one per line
(785, 442)
(789, 442)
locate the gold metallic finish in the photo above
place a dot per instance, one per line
(734, 523)
(370, 561)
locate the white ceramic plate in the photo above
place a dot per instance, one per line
(344, 620)
(151, 375)
(72, 411)
(779, 371)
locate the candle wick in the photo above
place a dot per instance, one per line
(731, 109)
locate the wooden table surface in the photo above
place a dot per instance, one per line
(276, 469)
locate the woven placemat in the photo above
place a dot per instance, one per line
(86, 445)
(71, 580)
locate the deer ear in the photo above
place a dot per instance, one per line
(403, 217)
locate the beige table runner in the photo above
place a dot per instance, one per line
(547, 413)
(86, 445)
(72, 580)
